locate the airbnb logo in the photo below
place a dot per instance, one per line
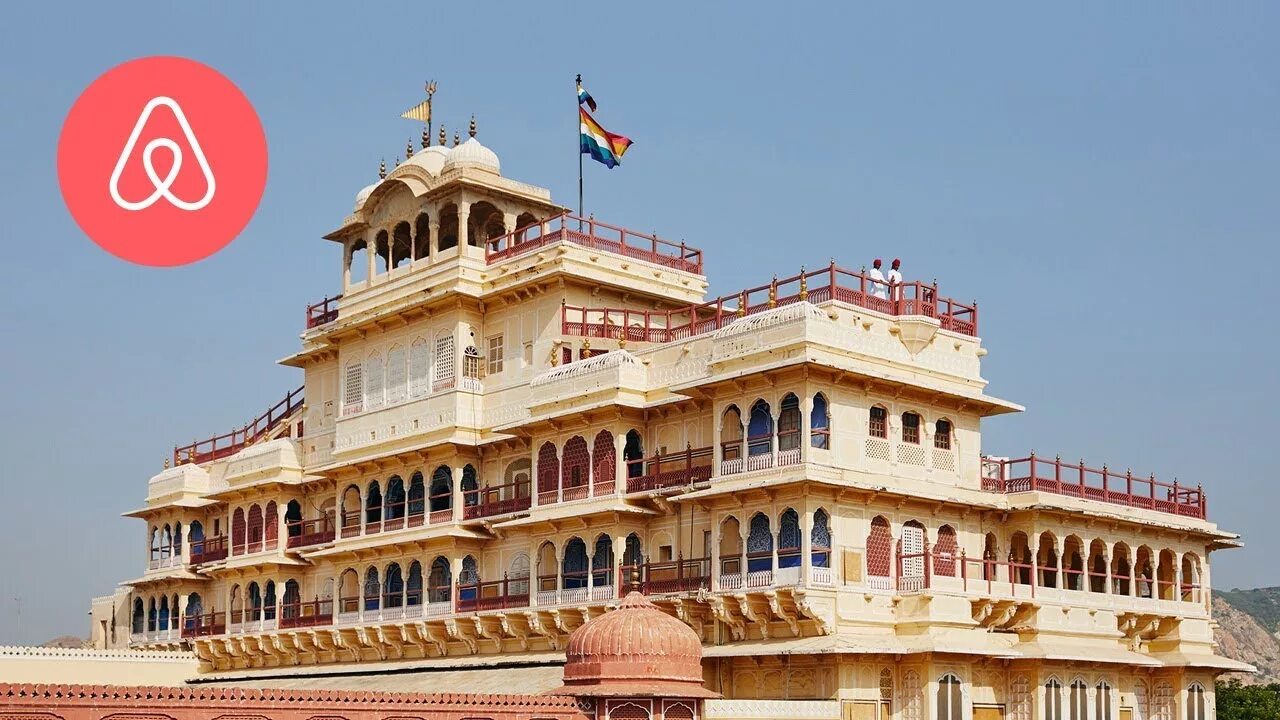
(162, 161)
(162, 186)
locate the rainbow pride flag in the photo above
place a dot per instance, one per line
(602, 145)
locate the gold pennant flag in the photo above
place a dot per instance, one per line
(420, 112)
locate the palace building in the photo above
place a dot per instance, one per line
(511, 417)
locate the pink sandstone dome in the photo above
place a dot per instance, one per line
(635, 650)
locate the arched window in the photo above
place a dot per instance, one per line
(632, 551)
(166, 541)
(518, 575)
(255, 528)
(382, 248)
(944, 552)
(950, 698)
(911, 428)
(633, 454)
(577, 464)
(1164, 576)
(397, 375)
(820, 423)
(759, 544)
(1102, 701)
(1162, 703)
(139, 616)
(878, 422)
(441, 497)
(1078, 708)
(421, 236)
(446, 361)
(419, 368)
(1047, 560)
(879, 549)
(237, 532)
(1053, 699)
(393, 587)
(1144, 575)
(604, 463)
(1073, 563)
(177, 545)
(731, 434)
(372, 589)
(1195, 702)
(468, 579)
(820, 540)
(373, 505)
(942, 435)
(162, 620)
(548, 474)
(194, 607)
(1141, 706)
(913, 549)
(760, 430)
(1020, 698)
(602, 562)
(515, 480)
(1190, 590)
(730, 553)
(470, 486)
(351, 511)
(373, 383)
(440, 581)
(394, 505)
(789, 423)
(417, 497)
(789, 539)
(1020, 558)
(574, 573)
(268, 601)
(349, 591)
(291, 603)
(1097, 566)
(255, 601)
(548, 567)
(196, 534)
(911, 695)
(353, 388)
(886, 693)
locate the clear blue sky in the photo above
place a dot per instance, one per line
(1102, 179)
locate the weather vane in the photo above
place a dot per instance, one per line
(422, 111)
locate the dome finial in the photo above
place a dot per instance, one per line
(408, 149)
(442, 135)
(382, 169)
(426, 138)
(456, 139)
(472, 129)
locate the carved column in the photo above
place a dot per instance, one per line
(806, 543)
(806, 426)
(464, 217)
(620, 463)
(433, 237)
(456, 498)
(346, 265)
(371, 250)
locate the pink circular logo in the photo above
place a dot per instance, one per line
(162, 161)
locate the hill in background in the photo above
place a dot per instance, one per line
(1249, 630)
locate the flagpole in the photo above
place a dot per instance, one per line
(578, 106)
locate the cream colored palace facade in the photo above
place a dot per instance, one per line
(512, 415)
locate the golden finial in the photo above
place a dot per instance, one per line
(586, 347)
(742, 304)
(408, 149)
(804, 285)
(555, 357)
(622, 337)
(166, 463)
(471, 130)
(430, 88)
(426, 138)
(773, 292)
(443, 138)
(455, 138)
(382, 169)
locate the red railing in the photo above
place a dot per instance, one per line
(211, 623)
(832, 283)
(591, 233)
(665, 577)
(1078, 480)
(304, 533)
(494, 595)
(306, 614)
(678, 469)
(209, 550)
(323, 312)
(221, 446)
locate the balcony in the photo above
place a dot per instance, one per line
(673, 470)
(760, 456)
(220, 446)
(166, 561)
(820, 286)
(323, 312)
(306, 614)
(209, 550)
(211, 623)
(1034, 474)
(306, 533)
(595, 235)
(496, 500)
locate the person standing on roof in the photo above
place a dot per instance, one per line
(895, 279)
(878, 288)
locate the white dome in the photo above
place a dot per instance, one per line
(431, 159)
(364, 194)
(472, 154)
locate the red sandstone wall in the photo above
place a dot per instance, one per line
(98, 702)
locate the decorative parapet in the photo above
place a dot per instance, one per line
(172, 482)
(267, 458)
(25, 651)
(581, 369)
(771, 709)
(617, 370)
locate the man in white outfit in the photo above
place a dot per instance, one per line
(878, 288)
(895, 278)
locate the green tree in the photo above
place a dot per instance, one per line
(1237, 701)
